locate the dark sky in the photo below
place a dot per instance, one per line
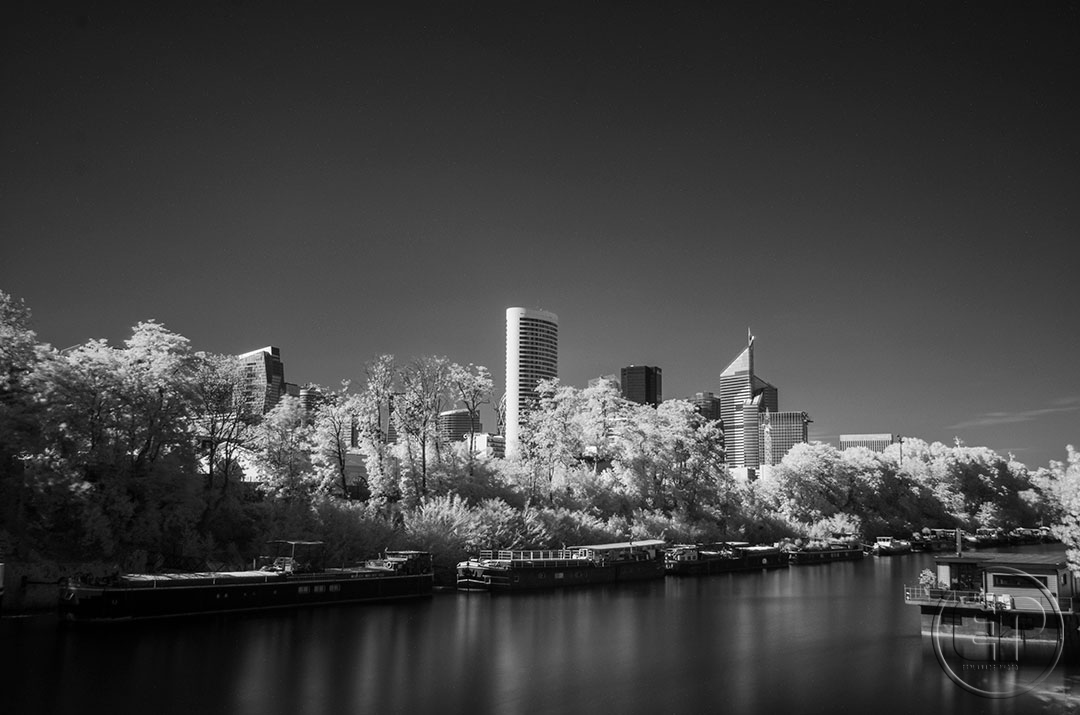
(886, 193)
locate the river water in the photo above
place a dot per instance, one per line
(832, 638)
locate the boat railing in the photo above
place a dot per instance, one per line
(944, 596)
(529, 555)
(988, 601)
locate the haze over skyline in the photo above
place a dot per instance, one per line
(884, 194)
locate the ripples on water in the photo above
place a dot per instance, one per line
(832, 638)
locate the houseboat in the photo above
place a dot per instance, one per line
(890, 546)
(573, 566)
(1021, 536)
(1000, 606)
(286, 582)
(841, 547)
(937, 540)
(985, 538)
(723, 557)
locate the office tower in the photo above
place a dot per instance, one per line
(455, 425)
(642, 384)
(707, 404)
(532, 355)
(743, 398)
(873, 442)
(264, 379)
(780, 432)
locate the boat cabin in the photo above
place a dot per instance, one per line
(1012, 581)
(694, 552)
(647, 549)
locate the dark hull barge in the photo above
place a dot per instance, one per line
(397, 575)
(574, 566)
(705, 559)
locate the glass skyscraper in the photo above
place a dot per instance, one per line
(264, 379)
(642, 384)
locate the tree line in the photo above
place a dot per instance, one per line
(147, 455)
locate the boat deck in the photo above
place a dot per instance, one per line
(211, 578)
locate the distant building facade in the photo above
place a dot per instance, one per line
(456, 425)
(642, 384)
(264, 379)
(390, 436)
(707, 404)
(756, 432)
(492, 445)
(873, 442)
(532, 355)
(743, 397)
(780, 432)
(311, 396)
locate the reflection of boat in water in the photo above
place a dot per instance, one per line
(287, 582)
(841, 547)
(890, 546)
(517, 570)
(722, 557)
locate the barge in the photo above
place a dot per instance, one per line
(723, 557)
(841, 547)
(515, 570)
(937, 540)
(891, 546)
(284, 583)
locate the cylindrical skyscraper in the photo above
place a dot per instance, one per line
(532, 355)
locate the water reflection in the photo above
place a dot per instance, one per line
(828, 638)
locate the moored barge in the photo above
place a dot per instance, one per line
(286, 583)
(891, 546)
(839, 548)
(519, 570)
(723, 557)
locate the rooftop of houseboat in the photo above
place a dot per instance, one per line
(643, 544)
(1051, 559)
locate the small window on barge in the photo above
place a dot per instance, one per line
(1015, 580)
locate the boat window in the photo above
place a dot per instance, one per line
(1008, 580)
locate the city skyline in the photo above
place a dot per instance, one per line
(885, 194)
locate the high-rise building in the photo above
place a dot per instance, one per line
(707, 404)
(780, 432)
(743, 398)
(264, 379)
(532, 355)
(311, 397)
(873, 442)
(642, 384)
(455, 425)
